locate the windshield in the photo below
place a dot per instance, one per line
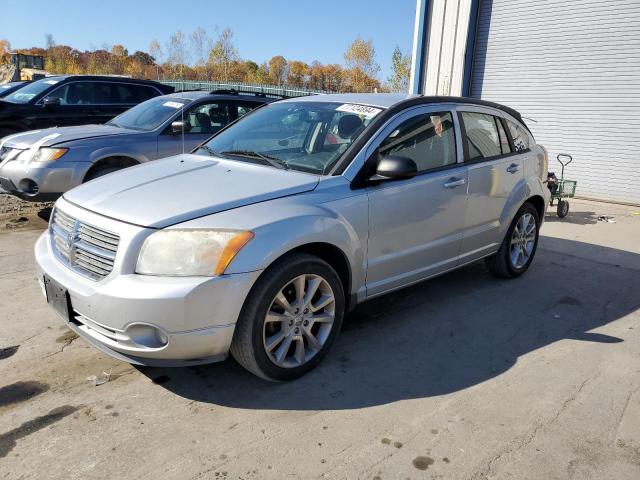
(149, 115)
(306, 136)
(31, 90)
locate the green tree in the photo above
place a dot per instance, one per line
(400, 71)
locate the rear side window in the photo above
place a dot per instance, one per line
(519, 136)
(427, 139)
(504, 140)
(246, 107)
(483, 139)
(123, 93)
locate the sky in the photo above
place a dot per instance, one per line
(298, 30)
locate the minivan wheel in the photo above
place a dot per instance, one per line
(519, 245)
(290, 318)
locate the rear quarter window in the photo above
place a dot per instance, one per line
(520, 136)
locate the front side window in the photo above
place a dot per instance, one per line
(76, 93)
(31, 90)
(149, 115)
(305, 135)
(428, 139)
(519, 136)
(208, 117)
(483, 140)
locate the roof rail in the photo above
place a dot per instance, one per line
(233, 91)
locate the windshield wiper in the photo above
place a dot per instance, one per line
(273, 161)
(209, 150)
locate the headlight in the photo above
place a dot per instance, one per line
(190, 252)
(47, 154)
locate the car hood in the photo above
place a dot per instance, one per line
(48, 137)
(176, 189)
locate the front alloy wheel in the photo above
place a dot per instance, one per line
(299, 321)
(290, 318)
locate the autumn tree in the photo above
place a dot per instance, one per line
(298, 73)
(201, 44)
(362, 68)
(177, 54)
(400, 71)
(223, 54)
(5, 48)
(278, 70)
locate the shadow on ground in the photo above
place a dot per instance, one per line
(575, 218)
(441, 336)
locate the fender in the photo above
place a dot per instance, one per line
(280, 227)
(114, 151)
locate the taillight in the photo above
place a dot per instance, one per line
(545, 164)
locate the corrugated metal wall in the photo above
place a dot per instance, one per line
(574, 67)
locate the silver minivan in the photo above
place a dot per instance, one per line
(260, 240)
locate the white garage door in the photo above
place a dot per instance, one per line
(573, 66)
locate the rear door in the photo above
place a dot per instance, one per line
(415, 225)
(496, 180)
(113, 98)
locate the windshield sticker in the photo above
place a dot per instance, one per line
(365, 111)
(51, 82)
(173, 104)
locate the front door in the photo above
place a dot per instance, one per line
(415, 225)
(204, 120)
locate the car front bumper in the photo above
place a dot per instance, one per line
(41, 181)
(145, 320)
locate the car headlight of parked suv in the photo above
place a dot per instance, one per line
(185, 253)
(48, 154)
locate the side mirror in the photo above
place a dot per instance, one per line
(51, 102)
(393, 167)
(180, 127)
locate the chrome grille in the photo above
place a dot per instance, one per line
(86, 249)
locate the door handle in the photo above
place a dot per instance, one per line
(455, 182)
(513, 168)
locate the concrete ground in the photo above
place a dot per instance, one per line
(465, 376)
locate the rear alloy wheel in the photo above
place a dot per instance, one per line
(290, 318)
(519, 245)
(523, 240)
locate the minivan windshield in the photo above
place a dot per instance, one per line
(31, 90)
(149, 115)
(307, 136)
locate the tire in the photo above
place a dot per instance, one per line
(254, 334)
(502, 263)
(563, 208)
(100, 171)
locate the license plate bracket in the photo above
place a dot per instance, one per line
(57, 297)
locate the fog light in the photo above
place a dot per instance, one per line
(28, 186)
(146, 336)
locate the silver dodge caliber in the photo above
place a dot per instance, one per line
(260, 240)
